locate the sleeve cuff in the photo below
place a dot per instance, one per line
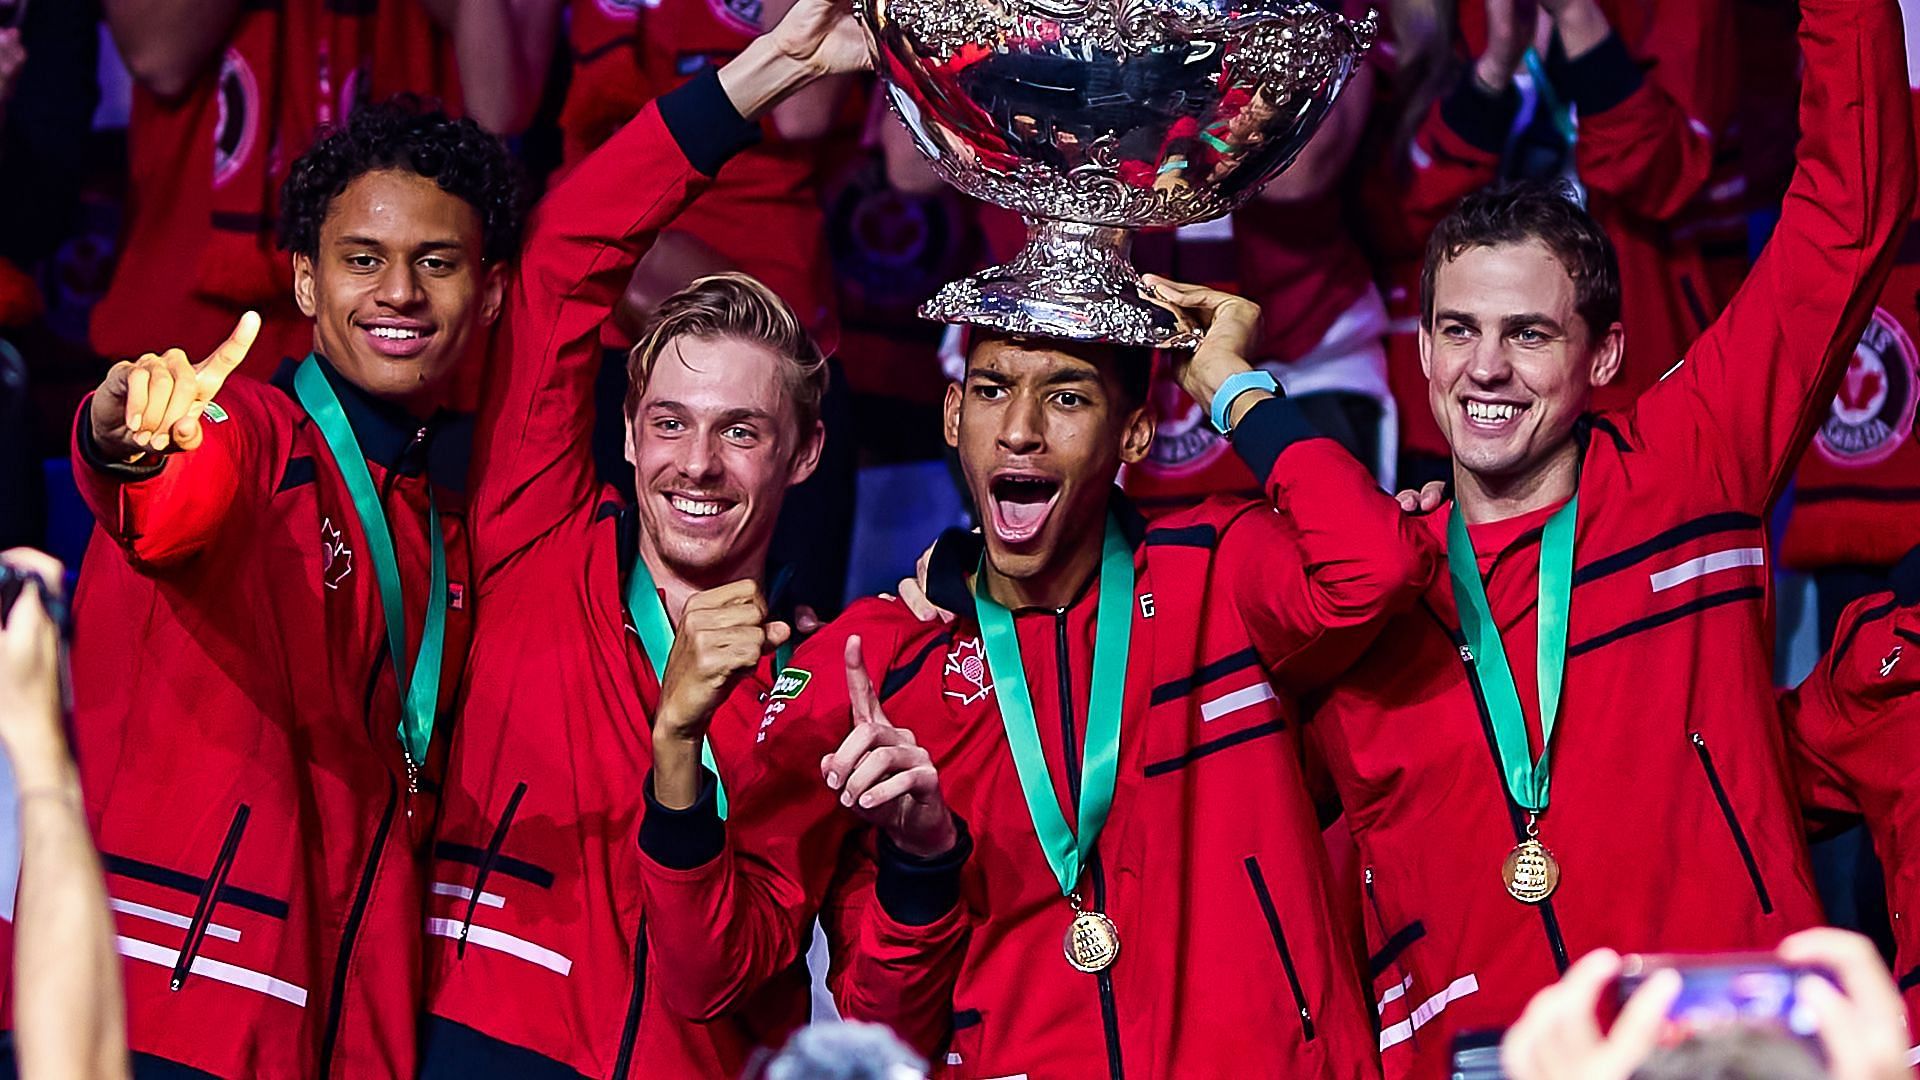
(1266, 432)
(684, 839)
(1603, 78)
(90, 453)
(1482, 119)
(1906, 579)
(704, 122)
(920, 892)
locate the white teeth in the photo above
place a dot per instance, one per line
(393, 333)
(695, 507)
(1491, 413)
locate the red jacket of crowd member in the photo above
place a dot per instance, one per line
(1653, 106)
(763, 216)
(1210, 861)
(1665, 753)
(537, 962)
(234, 720)
(205, 166)
(1854, 726)
(1857, 500)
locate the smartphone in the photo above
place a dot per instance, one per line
(1719, 990)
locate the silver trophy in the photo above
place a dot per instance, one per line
(1093, 118)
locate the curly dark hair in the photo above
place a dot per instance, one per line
(1533, 210)
(404, 132)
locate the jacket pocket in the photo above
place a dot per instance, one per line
(1733, 822)
(1272, 915)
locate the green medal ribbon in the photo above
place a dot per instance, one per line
(420, 690)
(1100, 756)
(1526, 778)
(656, 637)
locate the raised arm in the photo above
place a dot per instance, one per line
(534, 463)
(1748, 395)
(162, 478)
(168, 43)
(1647, 138)
(68, 1016)
(1363, 558)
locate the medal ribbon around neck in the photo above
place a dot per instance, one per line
(1526, 778)
(656, 637)
(420, 690)
(1100, 754)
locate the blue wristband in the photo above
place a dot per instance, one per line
(1232, 388)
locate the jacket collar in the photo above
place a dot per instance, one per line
(386, 433)
(956, 555)
(626, 540)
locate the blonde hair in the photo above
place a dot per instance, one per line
(736, 306)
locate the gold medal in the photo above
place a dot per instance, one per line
(1531, 872)
(1092, 942)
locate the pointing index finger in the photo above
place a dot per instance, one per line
(859, 686)
(230, 352)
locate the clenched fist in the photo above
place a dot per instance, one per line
(722, 635)
(883, 774)
(154, 403)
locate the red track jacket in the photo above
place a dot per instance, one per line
(1672, 810)
(534, 860)
(1855, 726)
(1211, 862)
(234, 718)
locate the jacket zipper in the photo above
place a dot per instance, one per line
(630, 1033)
(1549, 919)
(209, 896)
(1726, 810)
(1265, 898)
(350, 933)
(1109, 1007)
(480, 876)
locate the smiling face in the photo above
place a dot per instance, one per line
(714, 443)
(1510, 362)
(398, 291)
(1042, 430)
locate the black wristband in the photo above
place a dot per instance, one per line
(119, 470)
(919, 892)
(1599, 80)
(684, 839)
(1480, 116)
(704, 122)
(1266, 431)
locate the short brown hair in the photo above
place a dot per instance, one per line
(1533, 210)
(737, 306)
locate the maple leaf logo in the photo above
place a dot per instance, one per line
(339, 556)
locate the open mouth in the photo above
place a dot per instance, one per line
(697, 509)
(396, 338)
(1020, 504)
(1492, 417)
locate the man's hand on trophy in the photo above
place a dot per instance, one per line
(1230, 326)
(824, 36)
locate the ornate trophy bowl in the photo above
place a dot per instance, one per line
(1093, 118)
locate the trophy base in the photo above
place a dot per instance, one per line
(1071, 281)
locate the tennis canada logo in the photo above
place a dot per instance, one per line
(1873, 412)
(966, 675)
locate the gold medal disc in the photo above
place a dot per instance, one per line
(1092, 942)
(1531, 872)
